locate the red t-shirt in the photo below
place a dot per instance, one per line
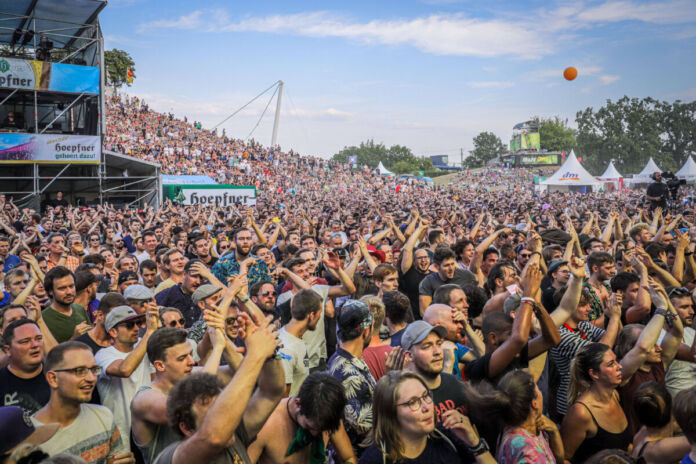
(375, 357)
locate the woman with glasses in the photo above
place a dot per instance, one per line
(517, 404)
(404, 427)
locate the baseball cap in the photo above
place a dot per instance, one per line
(204, 291)
(125, 276)
(16, 428)
(555, 264)
(138, 292)
(120, 314)
(416, 332)
(353, 317)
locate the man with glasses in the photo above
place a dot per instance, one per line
(172, 317)
(125, 366)
(264, 296)
(522, 258)
(414, 267)
(86, 430)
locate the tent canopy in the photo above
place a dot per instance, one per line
(571, 174)
(688, 171)
(384, 171)
(647, 172)
(611, 172)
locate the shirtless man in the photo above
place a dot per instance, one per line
(301, 426)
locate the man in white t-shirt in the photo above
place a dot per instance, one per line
(125, 366)
(681, 375)
(86, 430)
(299, 276)
(305, 308)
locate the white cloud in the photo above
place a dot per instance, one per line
(447, 34)
(608, 78)
(669, 12)
(456, 34)
(491, 84)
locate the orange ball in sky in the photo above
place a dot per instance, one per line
(570, 73)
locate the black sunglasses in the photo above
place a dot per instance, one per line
(231, 320)
(130, 325)
(177, 321)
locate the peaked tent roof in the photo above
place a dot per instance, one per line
(611, 172)
(688, 171)
(647, 171)
(571, 173)
(384, 171)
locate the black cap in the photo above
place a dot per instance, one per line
(125, 276)
(353, 317)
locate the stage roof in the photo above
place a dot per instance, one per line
(70, 17)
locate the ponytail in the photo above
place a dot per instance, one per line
(510, 402)
(589, 357)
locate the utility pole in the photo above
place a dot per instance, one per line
(461, 154)
(277, 114)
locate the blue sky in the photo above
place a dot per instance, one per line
(427, 74)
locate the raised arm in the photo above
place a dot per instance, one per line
(407, 252)
(641, 307)
(571, 297)
(519, 336)
(636, 357)
(225, 415)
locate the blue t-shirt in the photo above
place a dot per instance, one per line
(459, 351)
(10, 262)
(687, 460)
(396, 338)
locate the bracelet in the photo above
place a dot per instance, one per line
(244, 300)
(480, 448)
(526, 298)
(668, 315)
(534, 253)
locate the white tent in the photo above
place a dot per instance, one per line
(384, 171)
(612, 177)
(688, 171)
(645, 175)
(571, 176)
(610, 173)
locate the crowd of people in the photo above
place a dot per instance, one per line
(344, 318)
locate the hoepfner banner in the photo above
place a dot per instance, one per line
(16, 73)
(49, 148)
(217, 195)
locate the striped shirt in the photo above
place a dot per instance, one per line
(562, 355)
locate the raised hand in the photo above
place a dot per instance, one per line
(531, 281)
(577, 268)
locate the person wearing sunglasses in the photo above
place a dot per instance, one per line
(172, 317)
(404, 427)
(263, 294)
(124, 364)
(86, 430)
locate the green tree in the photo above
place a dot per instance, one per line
(397, 158)
(631, 131)
(368, 153)
(487, 146)
(117, 63)
(554, 135)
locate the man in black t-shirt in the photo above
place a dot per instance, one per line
(22, 381)
(422, 343)
(657, 192)
(413, 268)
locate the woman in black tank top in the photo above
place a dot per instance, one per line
(595, 421)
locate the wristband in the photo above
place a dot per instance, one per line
(244, 300)
(668, 315)
(480, 448)
(526, 298)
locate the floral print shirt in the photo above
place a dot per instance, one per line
(359, 384)
(518, 446)
(228, 265)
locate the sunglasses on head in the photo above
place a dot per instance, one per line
(679, 291)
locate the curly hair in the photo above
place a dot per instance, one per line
(193, 388)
